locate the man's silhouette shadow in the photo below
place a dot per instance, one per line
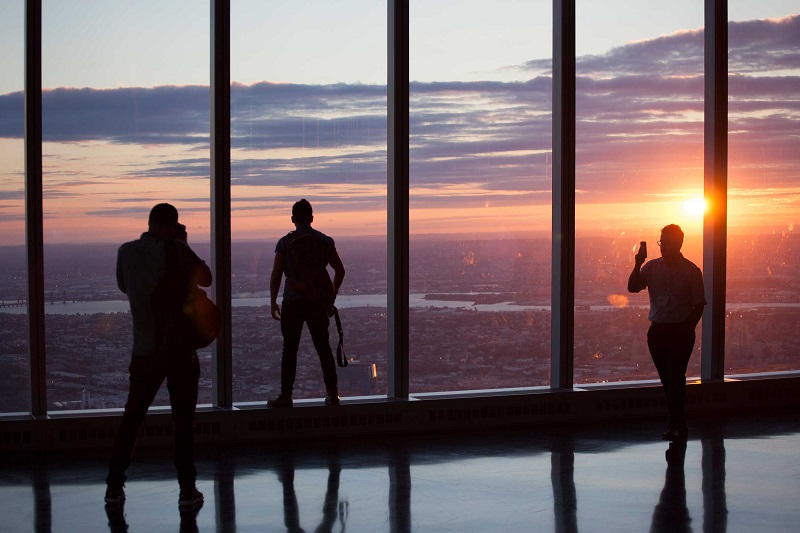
(189, 519)
(671, 514)
(332, 508)
(116, 518)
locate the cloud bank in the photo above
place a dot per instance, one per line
(639, 130)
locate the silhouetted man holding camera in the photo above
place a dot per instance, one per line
(677, 297)
(155, 272)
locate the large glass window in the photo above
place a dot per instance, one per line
(308, 120)
(480, 191)
(14, 360)
(125, 126)
(763, 296)
(639, 167)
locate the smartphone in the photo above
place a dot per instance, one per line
(643, 248)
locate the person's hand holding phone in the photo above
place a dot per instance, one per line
(641, 255)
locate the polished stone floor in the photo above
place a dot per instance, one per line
(735, 474)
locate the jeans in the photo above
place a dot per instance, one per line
(670, 347)
(293, 316)
(146, 375)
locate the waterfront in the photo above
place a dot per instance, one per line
(346, 301)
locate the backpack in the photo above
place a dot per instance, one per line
(309, 268)
(186, 319)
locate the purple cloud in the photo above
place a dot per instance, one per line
(639, 109)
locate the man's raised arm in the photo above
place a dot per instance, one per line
(635, 281)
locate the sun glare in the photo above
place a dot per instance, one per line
(695, 206)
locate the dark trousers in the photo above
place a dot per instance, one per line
(293, 316)
(670, 347)
(146, 375)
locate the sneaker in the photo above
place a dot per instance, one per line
(332, 399)
(115, 495)
(190, 497)
(284, 400)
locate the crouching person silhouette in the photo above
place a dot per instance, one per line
(156, 272)
(308, 297)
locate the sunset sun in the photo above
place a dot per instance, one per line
(695, 206)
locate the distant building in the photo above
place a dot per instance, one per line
(358, 379)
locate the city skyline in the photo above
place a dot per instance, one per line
(493, 296)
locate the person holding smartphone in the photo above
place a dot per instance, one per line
(677, 298)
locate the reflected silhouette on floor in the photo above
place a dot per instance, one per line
(399, 456)
(671, 513)
(118, 524)
(332, 507)
(116, 518)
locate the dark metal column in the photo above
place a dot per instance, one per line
(221, 195)
(563, 282)
(715, 237)
(398, 227)
(34, 233)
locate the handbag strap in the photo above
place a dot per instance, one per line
(341, 357)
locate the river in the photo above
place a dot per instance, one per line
(345, 301)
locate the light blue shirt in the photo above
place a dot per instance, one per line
(673, 289)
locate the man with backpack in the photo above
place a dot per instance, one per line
(308, 296)
(155, 272)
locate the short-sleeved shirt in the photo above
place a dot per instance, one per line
(324, 244)
(673, 289)
(140, 266)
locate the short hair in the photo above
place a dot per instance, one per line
(163, 214)
(302, 213)
(673, 230)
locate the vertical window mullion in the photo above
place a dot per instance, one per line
(563, 276)
(222, 379)
(398, 199)
(34, 233)
(716, 183)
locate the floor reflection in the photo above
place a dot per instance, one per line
(116, 518)
(224, 496)
(435, 483)
(562, 477)
(189, 519)
(42, 517)
(400, 491)
(671, 513)
(715, 505)
(332, 507)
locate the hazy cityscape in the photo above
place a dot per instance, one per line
(479, 319)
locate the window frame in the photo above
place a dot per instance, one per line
(563, 207)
